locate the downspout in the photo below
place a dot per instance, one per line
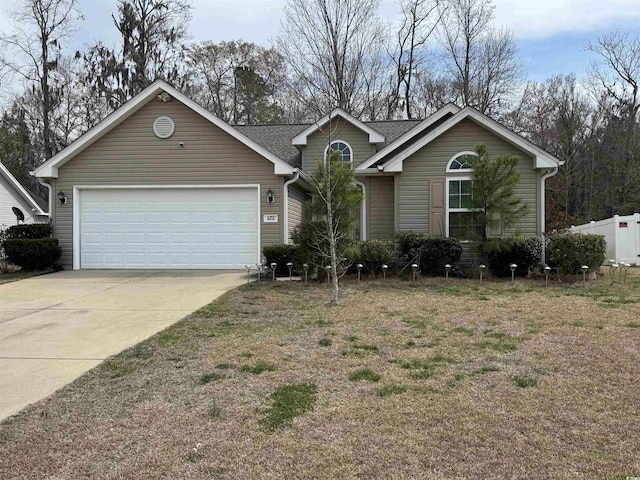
(50, 188)
(363, 211)
(285, 221)
(543, 205)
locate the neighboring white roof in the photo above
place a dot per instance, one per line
(542, 159)
(427, 122)
(49, 169)
(374, 137)
(22, 191)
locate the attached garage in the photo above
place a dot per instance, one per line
(194, 227)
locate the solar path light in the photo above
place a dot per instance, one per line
(290, 267)
(447, 268)
(482, 268)
(305, 266)
(513, 267)
(547, 271)
(248, 267)
(414, 267)
(626, 267)
(384, 271)
(328, 269)
(259, 268)
(273, 271)
(585, 269)
(359, 267)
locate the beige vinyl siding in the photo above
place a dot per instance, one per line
(131, 154)
(10, 197)
(380, 205)
(297, 198)
(431, 161)
(361, 149)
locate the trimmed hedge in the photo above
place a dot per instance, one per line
(568, 252)
(501, 252)
(375, 253)
(32, 253)
(435, 253)
(282, 254)
(409, 240)
(29, 230)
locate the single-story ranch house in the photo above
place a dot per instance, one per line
(164, 183)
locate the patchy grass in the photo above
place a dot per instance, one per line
(288, 402)
(325, 342)
(364, 374)
(21, 275)
(511, 374)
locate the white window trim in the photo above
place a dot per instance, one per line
(77, 199)
(326, 149)
(447, 210)
(460, 170)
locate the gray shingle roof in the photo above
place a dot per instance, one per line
(277, 138)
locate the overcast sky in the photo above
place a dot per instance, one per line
(551, 34)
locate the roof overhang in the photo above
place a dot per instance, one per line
(449, 109)
(22, 191)
(542, 159)
(49, 169)
(301, 138)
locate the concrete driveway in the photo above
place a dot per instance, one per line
(55, 327)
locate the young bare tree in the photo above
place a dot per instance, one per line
(483, 62)
(33, 52)
(327, 43)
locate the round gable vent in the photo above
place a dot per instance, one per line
(163, 127)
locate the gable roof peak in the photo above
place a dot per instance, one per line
(374, 136)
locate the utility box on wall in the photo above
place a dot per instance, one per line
(622, 234)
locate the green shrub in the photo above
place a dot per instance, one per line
(526, 253)
(436, 252)
(282, 254)
(409, 240)
(569, 251)
(32, 253)
(375, 253)
(304, 237)
(29, 231)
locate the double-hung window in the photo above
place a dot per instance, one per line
(462, 218)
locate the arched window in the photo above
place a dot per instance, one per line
(340, 146)
(461, 162)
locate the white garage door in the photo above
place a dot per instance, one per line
(169, 228)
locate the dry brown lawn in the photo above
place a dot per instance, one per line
(476, 381)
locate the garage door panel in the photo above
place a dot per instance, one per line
(168, 228)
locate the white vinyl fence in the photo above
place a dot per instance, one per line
(622, 234)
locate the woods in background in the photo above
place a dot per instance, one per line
(331, 53)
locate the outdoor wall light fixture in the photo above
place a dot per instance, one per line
(384, 271)
(306, 270)
(482, 268)
(447, 269)
(290, 267)
(547, 271)
(270, 196)
(359, 267)
(414, 267)
(513, 267)
(273, 271)
(585, 269)
(62, 197)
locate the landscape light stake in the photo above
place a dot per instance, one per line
(611, 270)
(248, 267)
(513, 267)
(306, 270)
(328, 269)
(482, 268)
(384, 271)
(359, 266)
(447, 267)
(584, 269)
(547, 270)
(290, 267)
(273, 271)
(414, 267)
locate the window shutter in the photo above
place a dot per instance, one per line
(437, 204)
